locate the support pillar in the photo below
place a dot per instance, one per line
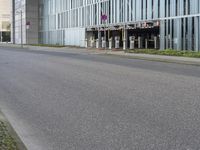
(189, 35)
(196, 34)
(99, 40)
(86, 43)
(155, 42)
(139, 42)
(125, 39)
(179, 34)
(146, 43)
(110, 43)
(162, 35)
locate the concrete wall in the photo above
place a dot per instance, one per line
(5, 20)
(5, 12)
(32, 10)
(13, 21)
(75, 37)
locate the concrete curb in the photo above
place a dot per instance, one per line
(162, 59)
(12, 132)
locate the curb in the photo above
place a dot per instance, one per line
(12, 132)
(155, 59)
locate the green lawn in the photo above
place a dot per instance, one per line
(6, 141)
(167, 52)
(48, 45)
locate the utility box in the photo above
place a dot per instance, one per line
(117, 42)
(132, 42)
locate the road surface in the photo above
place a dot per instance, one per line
(85, 101)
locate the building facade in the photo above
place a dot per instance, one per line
(25, 27)
(163, 24)
(5, 20)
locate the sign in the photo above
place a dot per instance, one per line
(28, 23)
(104, 17)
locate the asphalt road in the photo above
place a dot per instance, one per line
(84, 101)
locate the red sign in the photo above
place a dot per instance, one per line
(104, 17)
(28, 23)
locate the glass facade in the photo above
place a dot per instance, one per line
(179, 20)
(5, 20)
(20, 19)
(25, 21)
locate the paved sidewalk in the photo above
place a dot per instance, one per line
(172, 59)
(161, 58)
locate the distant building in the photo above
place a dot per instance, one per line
(159, 24)
(5, 20)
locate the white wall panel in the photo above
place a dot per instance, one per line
(75, 36)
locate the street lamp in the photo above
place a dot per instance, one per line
(20, 12)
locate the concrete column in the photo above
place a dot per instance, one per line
(196, 34)
(146, 43)
(189, 35)
(179, 34)
(32, 16)
(162, 35)
(99, 39)
(13, 22)
(155, 42)
(103, 43)
(199, 32)
(167, 35)
(139, 42)
(110, 43)
(125, 39)
(86, 43)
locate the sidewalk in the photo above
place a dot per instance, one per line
(160, 58)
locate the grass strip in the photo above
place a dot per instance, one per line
(7, 142)
(167, 52)
(48, 45)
